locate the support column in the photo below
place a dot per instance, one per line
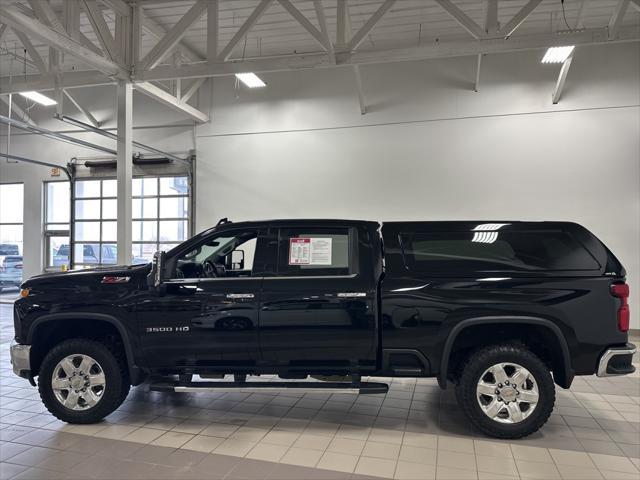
(124, 170)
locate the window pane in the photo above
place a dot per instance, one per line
(494, 250)
(11, 202)
(87, 188)
(173, 230)
(145, 187)
(146, 231)
(58, 251)
(88, 253)
(109, 209)
(109, 231)
(143, 252)
(109, 188)
(145, 207)
(57, 198)
(10, 239)
(174, 186)
(109, 254)
(167, 246)
(87, 231)
(174, 207)
(88, 209)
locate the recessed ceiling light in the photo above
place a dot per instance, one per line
(39, 98)
(557, 54)
(251, 80)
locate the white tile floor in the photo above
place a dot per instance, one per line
(415, 431)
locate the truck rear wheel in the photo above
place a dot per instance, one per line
(506, 391)
(82, 381)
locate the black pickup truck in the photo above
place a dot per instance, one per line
(493, 307)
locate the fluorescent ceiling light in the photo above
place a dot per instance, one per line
(251, 80)
(557, 54)
(38, 97)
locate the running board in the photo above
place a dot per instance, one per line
(342, 387)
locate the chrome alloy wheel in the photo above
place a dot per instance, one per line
(507, 393)
(78, 382)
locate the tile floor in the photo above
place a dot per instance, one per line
(415, 431)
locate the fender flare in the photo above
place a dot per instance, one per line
(563, 378)
(135, 374)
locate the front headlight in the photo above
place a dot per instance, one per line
(24, 292)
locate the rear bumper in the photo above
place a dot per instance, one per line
(616, 361)
(21, 359)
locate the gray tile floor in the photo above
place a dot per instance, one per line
(415, 431)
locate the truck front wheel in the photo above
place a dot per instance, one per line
(82, 381)
(506, 391)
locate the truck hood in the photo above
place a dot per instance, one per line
(86, 275)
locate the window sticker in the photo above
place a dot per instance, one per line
(310, 251)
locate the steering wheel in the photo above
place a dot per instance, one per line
(213, 270)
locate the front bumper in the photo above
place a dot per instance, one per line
(21, 359)
(616, 361)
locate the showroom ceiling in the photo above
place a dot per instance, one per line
(276, 35)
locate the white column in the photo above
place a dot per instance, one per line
(124, 170)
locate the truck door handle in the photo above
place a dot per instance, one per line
(240, 295)
(351, 294)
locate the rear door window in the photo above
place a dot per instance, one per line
(315, 251)
(495, 251)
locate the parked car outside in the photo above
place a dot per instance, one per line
(9, 249)
(10, 271)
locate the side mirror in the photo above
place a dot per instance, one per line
(155, 277)
(237, 258)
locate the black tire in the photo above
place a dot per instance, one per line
(116, 380)
(478, 362)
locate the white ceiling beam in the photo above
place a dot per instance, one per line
(100, 28)
(30, 26)
(617, 17)
(562, 77)
(580, 15)
(33, 53)
(517, 20)
(166, 45)
(253, 18)
(213, 30)
(72, 18)
(305, 23)
(361, 34)
(193, 89)
(491, 17)
(341, 24)
(462, 18)
(158, 31)
(476, 85)
(16, 110)
(322, 21)
(92, 120)
(361, 100)
(170, 101)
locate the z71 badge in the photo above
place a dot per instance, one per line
(167, 329)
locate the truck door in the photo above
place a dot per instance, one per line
(208, 313)
(318, 308)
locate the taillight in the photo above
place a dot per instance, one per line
(621, 291)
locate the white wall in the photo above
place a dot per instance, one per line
(431, 148)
